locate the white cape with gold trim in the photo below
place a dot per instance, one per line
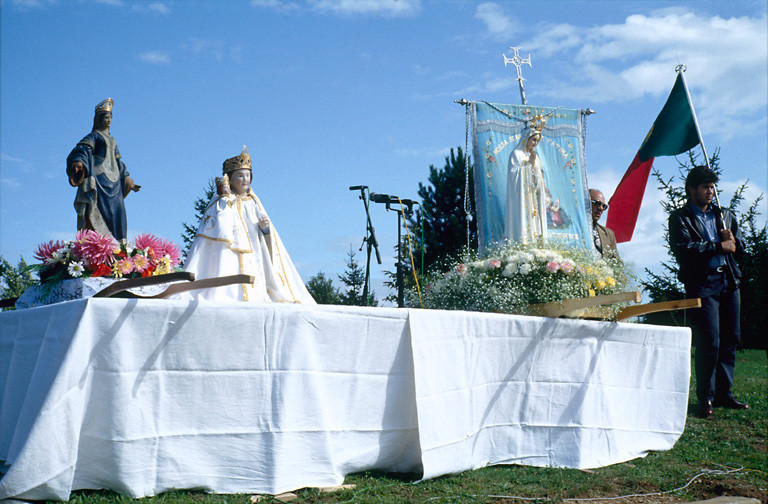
(229, 242)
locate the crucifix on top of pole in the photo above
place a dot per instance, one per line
(519, 62)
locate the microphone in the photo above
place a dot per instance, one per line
(358, 187)
(409, 202)
(379, 198)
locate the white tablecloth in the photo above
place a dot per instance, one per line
(144, 396)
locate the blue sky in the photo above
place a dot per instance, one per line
(332, 93)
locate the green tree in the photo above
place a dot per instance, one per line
(439, 225)
(354, 280)
(665, 286)
(323, 290)
(14, 280)
(190, 230)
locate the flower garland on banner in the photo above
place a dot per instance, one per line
(511, 277)
(91, 254)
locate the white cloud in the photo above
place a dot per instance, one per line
(214, 48)
(385, 8)
(156, 57)
(30, 4)
(277, 5)
(726, 60)
(390, 8)
(157, 8)
(498, 23)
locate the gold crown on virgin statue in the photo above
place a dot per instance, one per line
(240, 162)
(538, 122)
(104, 106)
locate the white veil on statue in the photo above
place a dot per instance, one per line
(525, 218)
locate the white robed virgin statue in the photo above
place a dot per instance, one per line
(236, 236)
(525, 218)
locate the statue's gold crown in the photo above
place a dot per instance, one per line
(538, 122)
(105, 105)
(240, 162)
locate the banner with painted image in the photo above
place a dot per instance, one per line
(500, 135)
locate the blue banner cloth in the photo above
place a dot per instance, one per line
(496, 130)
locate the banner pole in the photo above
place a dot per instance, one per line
(680, 69)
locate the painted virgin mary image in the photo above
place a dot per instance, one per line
(525, 217)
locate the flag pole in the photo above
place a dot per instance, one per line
(680, 69)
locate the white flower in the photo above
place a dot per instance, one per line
(60, 255)
(526, 268)
(76, 269)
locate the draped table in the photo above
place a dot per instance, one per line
(144, 396)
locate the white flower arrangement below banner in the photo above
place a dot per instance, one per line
(510, 278)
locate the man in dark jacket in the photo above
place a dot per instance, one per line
(706, 241)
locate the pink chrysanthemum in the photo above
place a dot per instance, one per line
(171, 250)
(140, 263)
(94, 248)
(553, 266)
(149, 242)
(125, 266)
(45, 251)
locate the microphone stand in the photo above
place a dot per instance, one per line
(371, 242)
(406, 209)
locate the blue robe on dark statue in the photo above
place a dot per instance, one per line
(99, 200)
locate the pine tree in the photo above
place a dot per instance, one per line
(201, 204)
(439, 226)
(322, 289)
(354, 280)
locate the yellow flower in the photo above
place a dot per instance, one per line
(610, 281)
(591, 292)
(601, 284)
(116, 270)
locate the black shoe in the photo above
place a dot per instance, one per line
(705, 409)
(730, 403)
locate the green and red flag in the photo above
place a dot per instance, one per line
(673, 132)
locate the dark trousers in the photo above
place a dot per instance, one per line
(716, 334)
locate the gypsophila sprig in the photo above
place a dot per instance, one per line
(511, 277)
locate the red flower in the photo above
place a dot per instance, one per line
(101, 270)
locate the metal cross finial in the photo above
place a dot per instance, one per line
(519, 62)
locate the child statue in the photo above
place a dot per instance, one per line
(236, 236)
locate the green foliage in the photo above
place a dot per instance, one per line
(201, 204)
(322, 289)
(665, 286)
(439, 225)
(354, 280)
(15, 280)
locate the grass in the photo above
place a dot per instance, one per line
(728, 452)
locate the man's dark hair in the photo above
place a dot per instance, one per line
(700, 175)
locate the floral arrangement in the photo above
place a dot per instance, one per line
(511, 277)
(91, 254)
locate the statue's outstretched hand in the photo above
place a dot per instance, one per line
(76, 173)
(130, 185)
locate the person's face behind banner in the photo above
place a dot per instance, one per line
(598, 204)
